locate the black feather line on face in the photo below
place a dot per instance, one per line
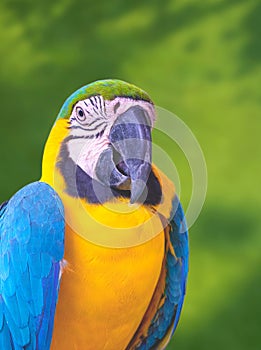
(72, 127)
(87, 137)
(80, 184)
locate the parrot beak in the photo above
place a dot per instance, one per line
(126, 164)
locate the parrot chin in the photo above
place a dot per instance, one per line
(126, 163)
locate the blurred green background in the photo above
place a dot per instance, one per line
(198, 59)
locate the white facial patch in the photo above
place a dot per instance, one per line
(90, 124)
(85, 153)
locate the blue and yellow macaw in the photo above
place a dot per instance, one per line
(103, 229)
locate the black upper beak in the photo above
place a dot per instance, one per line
(126, 164)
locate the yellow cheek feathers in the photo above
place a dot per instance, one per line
(52, 148)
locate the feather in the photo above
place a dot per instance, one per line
(32, 244)
(165, 319)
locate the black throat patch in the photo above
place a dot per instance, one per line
(80, 184)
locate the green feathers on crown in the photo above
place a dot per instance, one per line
(108, 89)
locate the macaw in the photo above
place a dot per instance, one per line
(94, 256)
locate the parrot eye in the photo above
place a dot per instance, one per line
(80, 114)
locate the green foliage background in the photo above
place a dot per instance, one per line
(199, 59)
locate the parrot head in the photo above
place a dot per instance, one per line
(102, 138)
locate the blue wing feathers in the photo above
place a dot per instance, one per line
(6, 340)
(167, 316)
(32, 245)
(180, 244)
(45, 334)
